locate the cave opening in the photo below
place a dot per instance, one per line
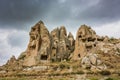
(79, 55)
(44, 57)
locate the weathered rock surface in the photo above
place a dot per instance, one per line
(11, 61)
(39, 45)
(44, 46)
(62, 45)
(92, 61)
(12, 65)
(57, 45)
(85, 40)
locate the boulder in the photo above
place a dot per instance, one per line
(93, 61)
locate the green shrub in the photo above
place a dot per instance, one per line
(65, 74)
(80, 72)
(54, 74)
(119, 74)
(73, 73)
(90, 72)
(112, 39)
(62, 66)
(106, 72)
(88, 67)
(20, 75)
(109, 79)
(22, 56)
(50, 78)
(55, 68)
(94, 79)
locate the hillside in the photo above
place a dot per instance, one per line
(57, 54)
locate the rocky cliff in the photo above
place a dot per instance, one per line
(93, 51)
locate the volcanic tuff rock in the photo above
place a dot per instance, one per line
(39, 45)
(45, 47)
(92, 61)
(85, 41)
(11, 61)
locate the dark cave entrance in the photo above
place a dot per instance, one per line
(79, 55)
(44, 57)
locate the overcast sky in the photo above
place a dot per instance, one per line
(18, 16)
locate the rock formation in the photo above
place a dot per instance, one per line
(39, 45)
(61, 44)
(44, 46)
(85, 41)
(11, 61)
(72, 42)
(89, 48)
(92, 61)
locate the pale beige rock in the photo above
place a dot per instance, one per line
(39, 45)
(85, 36)
(11, 61)
(61, 46)
(44, 47)
(93, 62)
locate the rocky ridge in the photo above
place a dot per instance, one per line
(92, 51)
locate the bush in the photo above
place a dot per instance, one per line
(119, 74)
(22, 56)
(90, 72)
(88, 67)
(112, 39)
(109, 79)
(20, 75)
(50, 79)
(93, 79)
(62, 66)
(118, 50)
(65, 74)
(73, 73)
(80, 72)
(106, 72)
(55, 68)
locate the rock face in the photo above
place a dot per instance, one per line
(12, 64)
(85, 40)
(11, 61)
(61, 44)
(39, 45)
(45, 47)
(92, 61)
(72, 42)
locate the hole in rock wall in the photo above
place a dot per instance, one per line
(79, 55)
(44, 57)
(79, 36)
(91, 39)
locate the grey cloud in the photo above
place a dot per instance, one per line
(18, 39)
(23, 14)
(18, 14)
(105, 11)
